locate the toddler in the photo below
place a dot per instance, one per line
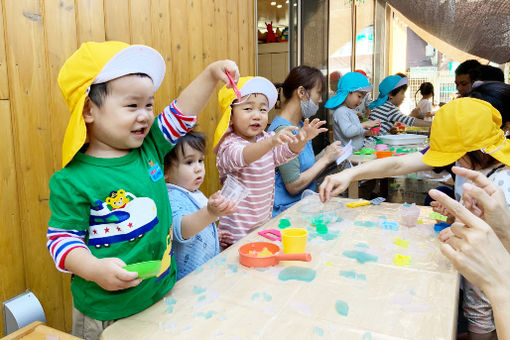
(195, 235)
(424, 106)
(386, 107)
(352, 88)
(249, 154)
(109, 204)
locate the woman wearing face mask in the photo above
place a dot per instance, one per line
(302, 91)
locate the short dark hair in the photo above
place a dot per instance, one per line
(302, 75)
(467, 66)
(194, 139)
(478, 158)
(497, 94)
(487, 73)
(395, 91)
(98, 92)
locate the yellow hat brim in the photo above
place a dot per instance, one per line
(76, 132)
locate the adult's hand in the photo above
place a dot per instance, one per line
(333, 151)
(334, 185)
(487, 201)
(477, 253)
(474, 248)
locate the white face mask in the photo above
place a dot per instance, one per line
(308, 108)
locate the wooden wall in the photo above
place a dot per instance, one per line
(35, 39)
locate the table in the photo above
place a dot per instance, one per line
(37, 330)
(346, 299)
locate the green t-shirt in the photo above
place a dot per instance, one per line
(122, 204)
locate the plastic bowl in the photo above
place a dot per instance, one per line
(384, 154)
(145, 269)
(321, 213)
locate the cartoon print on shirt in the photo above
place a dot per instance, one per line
(166, 261)
(130, 218)
(117, 199)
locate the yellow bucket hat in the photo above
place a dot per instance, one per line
(463, 125)
(99, 62)
(247, 86)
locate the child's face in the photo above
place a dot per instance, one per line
(398, 99)
(354, 99)
(124, 119)
(188, 171)
(250, 117)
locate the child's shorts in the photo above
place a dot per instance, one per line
(86, 327)
(477, 310)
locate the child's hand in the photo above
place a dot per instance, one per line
(284, 136)
(218, 205)
(370, 124)
(219, 67)
(109, 275)
(226, 239)
(333, 151)
(438, 207)
(445, 234)
(310, 130)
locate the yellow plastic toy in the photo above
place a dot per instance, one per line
(357, 204)
(402, 260)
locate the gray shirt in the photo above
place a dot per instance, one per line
(347, 127)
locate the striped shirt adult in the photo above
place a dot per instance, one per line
(388, 114)
(258, 177)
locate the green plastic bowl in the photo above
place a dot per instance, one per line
(145, 269)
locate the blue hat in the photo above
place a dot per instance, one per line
(385, 87)
(350, 82)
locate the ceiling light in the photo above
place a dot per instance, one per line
(278, 6)
(273, 3)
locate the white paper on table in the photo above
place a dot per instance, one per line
(346, 154)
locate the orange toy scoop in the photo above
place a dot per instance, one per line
(265, 254)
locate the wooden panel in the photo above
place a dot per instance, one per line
(90, 20)
(11, 244)
(60, 27)
(4, 83)
(140, 15)
(116, 23)
(32, 122)
(160, 19)
(244, 37)
(211, 41)
(179, 45)
(28, 87)
(232, 31)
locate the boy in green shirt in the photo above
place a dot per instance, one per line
(109, 203)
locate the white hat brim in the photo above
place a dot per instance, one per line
(261, 85)
(134, 59)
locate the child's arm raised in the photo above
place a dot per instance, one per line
(309, 131)
(255, 151)
(217, 206)
(196, 95)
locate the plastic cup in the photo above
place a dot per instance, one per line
(381, 147)
(376, 129)
(234, 190)
(409, 215)
(294, 240)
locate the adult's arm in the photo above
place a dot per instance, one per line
(379, 168)
(303, 179)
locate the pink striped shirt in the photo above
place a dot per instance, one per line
(258, 176)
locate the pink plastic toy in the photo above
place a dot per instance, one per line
(272, 234)
(234, 87)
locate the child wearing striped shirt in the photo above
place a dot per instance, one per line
(250, 155)
(386, 107)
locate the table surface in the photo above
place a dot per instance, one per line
(345, 300)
